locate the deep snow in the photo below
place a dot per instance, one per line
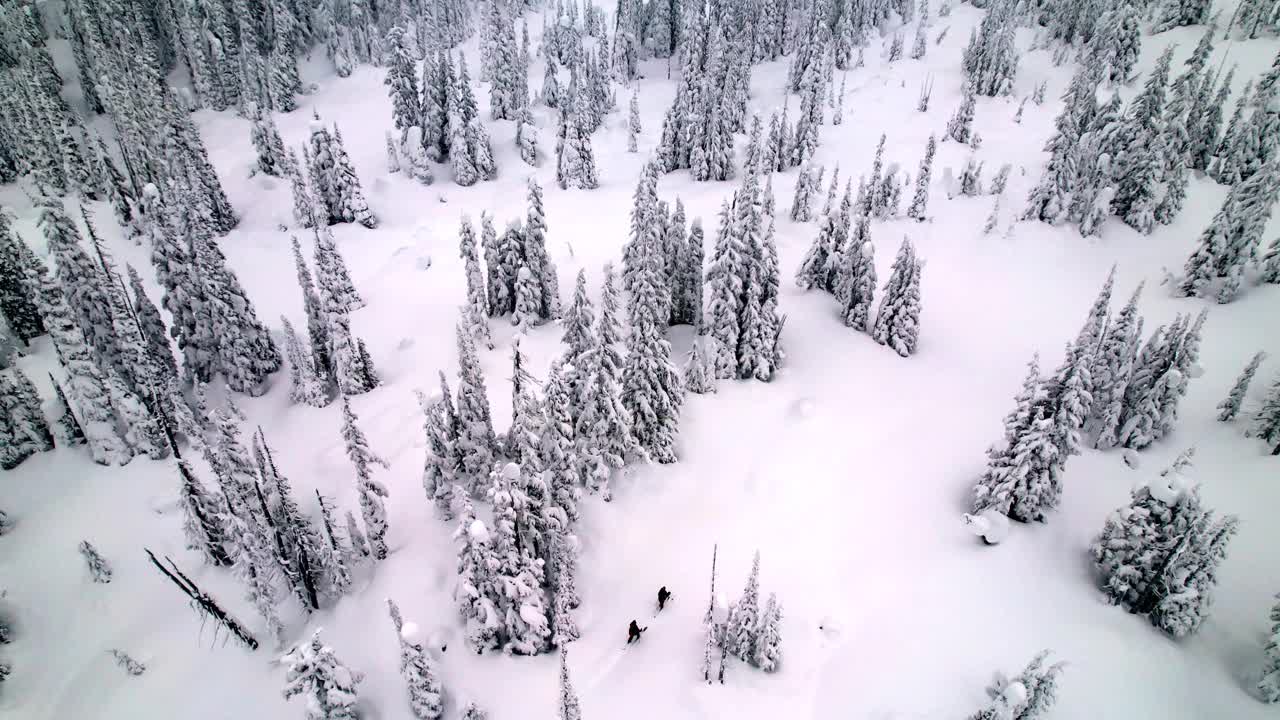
(849, 472)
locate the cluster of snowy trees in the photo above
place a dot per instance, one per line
(122, 392)
(1110, 387)
(1134, 161)
(24, 431)
(746, 630)
(438, 119)
(841, 259)
(122, 75)
(252, 522)
(329, 356)
(1159, 555)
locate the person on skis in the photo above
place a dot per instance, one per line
(633, 632)
(663, 596)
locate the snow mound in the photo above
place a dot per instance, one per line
(478, 531)
(991, 525)
(410, 631)
(511, 471)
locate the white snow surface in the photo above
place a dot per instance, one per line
(847, 472)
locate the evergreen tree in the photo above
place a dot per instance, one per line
(402, 82)
(317, 322)
(960, 126)
(743, 626)
(577, 322)
(151, 325)
(603, 428)
(476, 438)
(898, 317)
(536, 257)
(17, 297)
(329, 686)
(1230, 407)
(920, 202)
(652, 391)
(769, 637)
(425, 691)
(477, 308)
(633, 123)
(333, 558)
(68, 425)
(1269, 685)
(856, 276)
(26, 429)
(807, 184)
(1159, 555)
(372, 492)
(1266, 424)
(305, 385)
(476, 590)
(272, 157)
(1027, 696)
(570, 709)
(699, 370)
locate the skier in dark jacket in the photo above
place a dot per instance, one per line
(663, 596)
(633, 632)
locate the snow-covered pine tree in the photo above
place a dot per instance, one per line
(26, 429)
(402, 81)
(68, 425)
(272, 157)
(536, 257)
(604, 426)
(633, 123)
(768, 655)
(425, 692)
(651, 391)
(1112, 369)
(570, 708)
(476, 311)
(476, 591)
(960, 126)
(856, 276)
(329, 686)
(897, 321)
(1269, 685)
(333, 558)
(99, 568)
(1158, 556)
(920, 201)
(151, 325)
(17, 297)
(520, 575)
(476, 438)
(807, 183)
(699, 370)
(305, 385)
(577, 322)
(1266, 424)
(1229, 408)
(743, 626)
(372, 492)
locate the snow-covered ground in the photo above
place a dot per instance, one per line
(849, 472)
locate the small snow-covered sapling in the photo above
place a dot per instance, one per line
(99, 569)
(131, 666)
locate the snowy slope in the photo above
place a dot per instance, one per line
(848, 473)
